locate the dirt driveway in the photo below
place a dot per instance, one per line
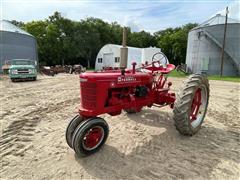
(34, 116)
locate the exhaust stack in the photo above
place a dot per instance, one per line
(124, 50)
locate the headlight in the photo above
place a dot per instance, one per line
(14, 71)
(31, 71)
(83, 80)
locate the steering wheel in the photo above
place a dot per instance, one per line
(162, 58)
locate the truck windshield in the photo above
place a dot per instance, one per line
(21, 62)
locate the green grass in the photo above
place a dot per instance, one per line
(225, 78)
(90, 69)
(174, 73)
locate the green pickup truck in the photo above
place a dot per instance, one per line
(22, 69)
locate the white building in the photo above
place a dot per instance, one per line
(109, 56)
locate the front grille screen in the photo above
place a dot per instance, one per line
(88, 94)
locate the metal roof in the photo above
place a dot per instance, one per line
(218, 19)
(9, 27)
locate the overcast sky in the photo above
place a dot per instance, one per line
(139, 15)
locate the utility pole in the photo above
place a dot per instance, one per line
(224, 39)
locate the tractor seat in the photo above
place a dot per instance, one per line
(163, 70)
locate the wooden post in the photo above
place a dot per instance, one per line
(224, 40)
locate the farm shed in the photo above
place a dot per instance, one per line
(205, 45)
(15, 44)
(109, 56)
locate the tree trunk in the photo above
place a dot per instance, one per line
(89, 60)
(88, 64)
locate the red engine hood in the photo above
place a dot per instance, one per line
(115, 76)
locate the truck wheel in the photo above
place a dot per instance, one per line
(34, 78)
(191, 104)
(71, 127)
(89, 136)
(12, 79)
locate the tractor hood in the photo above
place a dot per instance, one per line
(128, 77)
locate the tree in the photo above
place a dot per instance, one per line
(63, 41)
(141, 39)
(19, 24)
(173, 42)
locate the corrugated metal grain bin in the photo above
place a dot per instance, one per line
(205, 46)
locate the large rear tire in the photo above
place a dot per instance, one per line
(191, 104)
(90, 136)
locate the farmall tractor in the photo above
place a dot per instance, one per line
(112, 91)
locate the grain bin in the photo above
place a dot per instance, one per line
(205, 44)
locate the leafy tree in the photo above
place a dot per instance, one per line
(173, 42)
(18, 23)
(141, 39)
(63, 41)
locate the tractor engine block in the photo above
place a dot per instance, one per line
(141, 91)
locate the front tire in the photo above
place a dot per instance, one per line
(191, 104)
(71, 128)
(90, 136)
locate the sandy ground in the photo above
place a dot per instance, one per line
(34, 116)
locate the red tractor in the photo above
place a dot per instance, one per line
(111, 91)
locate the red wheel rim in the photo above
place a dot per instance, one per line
(196, 103)
(93, 138)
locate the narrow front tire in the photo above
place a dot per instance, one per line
(90, 136)
(71, 128)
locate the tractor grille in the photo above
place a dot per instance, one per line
(88, 94)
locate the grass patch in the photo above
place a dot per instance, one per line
(225, 78)
(175, 73)
(90, 69)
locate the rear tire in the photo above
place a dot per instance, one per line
(90, 136)
(191, 104)
(71, 128)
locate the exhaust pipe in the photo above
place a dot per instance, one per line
(124, 50)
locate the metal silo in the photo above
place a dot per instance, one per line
(16, 44)
(205, 44)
